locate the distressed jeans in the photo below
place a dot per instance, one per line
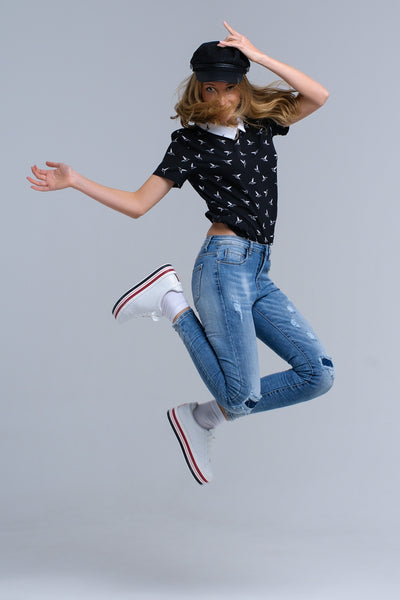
(237, 303)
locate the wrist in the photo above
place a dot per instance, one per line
(75, 180)
(264, 60)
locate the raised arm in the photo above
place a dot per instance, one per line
(133, 204)
(312, 95)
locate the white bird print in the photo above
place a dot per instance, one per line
(198, 156)
(237, 175)
(217, 195)
(201, 177)
(238, 220)
(245, 191)
(201, 141)
(257, 194)
(265, 193)
(202, 188)
(266, 143)
(182, 170)
(210, 150)
(222, 141)
(185, 139)
(265, 158)
(274, 169)
(230, 204)
(243, 162)
(253, 217)
(257, 205)
(252, 182)
(228, 161)
(271, 222)
(212, 166)
(271, 202)
(227, 187)
(218, 177)
(257, 170)
(249, 142)
(184, 159)
(227, 152)
(170, 152)
(192, 166)
(255, 152)
(242, 153)
(264, 178)
(165, 169)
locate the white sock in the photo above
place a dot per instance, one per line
(172, 304)
(209, 415)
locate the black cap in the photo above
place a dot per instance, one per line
(211, 62)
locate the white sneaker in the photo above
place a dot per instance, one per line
(144, 299)
(194, 441)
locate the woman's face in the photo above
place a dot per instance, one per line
(227, 95)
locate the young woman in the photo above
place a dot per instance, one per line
(225, 149)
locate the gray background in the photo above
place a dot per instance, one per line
(95, 499)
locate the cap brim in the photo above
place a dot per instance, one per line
(220, 75)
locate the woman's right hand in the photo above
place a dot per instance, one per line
(57, 178)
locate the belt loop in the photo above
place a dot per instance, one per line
(207, 242)
(250, 247)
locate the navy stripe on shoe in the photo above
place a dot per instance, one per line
(187, 453)
(141, 286)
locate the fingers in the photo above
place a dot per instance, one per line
(40, 186)
(229, 28)
(40, 183)
(52, 164)
(39, 173)
(234, 38)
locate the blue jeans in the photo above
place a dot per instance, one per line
(237, 303)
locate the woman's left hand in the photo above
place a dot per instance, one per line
(240, 42)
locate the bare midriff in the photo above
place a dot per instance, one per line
(220, 229)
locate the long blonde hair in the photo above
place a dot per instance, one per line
(256, 102)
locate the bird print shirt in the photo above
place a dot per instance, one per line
(236, 177)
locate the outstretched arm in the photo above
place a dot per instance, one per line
(312, 95)
(133, 204)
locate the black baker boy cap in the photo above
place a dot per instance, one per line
(211, 62)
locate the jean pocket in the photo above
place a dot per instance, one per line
(232, 255)
(196, 281)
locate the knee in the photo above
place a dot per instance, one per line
(242, 401)
(323, 375)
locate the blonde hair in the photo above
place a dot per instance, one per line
(256, 102)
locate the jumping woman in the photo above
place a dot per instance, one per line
(225, 150)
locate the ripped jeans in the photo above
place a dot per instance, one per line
(237, 303)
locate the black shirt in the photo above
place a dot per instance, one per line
(236, 177)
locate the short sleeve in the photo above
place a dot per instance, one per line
(277, 129)
(177, 162)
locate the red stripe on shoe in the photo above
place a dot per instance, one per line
(186, 448)
(141, 287)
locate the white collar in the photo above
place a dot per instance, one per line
(224, 130)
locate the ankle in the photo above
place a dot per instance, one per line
(173, 304)
(179, 313)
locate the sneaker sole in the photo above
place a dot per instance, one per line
(185, 447)
(140, 287)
